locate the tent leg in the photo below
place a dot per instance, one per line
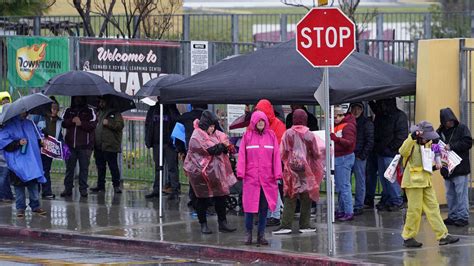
(161, 161)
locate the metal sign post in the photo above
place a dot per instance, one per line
(329, 178)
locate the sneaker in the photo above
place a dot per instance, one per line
(358, 212)
(307, 230)
(50, 197)
(20, 213)
(347, 217)
(380, 206)
(338, 215)
(461, 223)
(281, 231)
(412, 243)
(273, 222)
(449, 221)
(449, 239)
(394, 208)
(40, 211)
(117, 190)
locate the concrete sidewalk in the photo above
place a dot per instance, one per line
(130, 222)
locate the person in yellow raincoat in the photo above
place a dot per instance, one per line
(419, 188)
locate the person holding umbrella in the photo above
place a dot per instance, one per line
(108, 143)
(80, 122)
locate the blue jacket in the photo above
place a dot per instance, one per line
(27, 166)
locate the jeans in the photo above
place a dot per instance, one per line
(83, 156)
(5, 188)
(289, 211)
(342, 177)
(219, 204)
(277, 213)
(457, 197)
(33, 194)
(371, 179)
(262, 215)
(102, 159)
(46, 187)
(171, 162)
(359, 172)
(392, 193)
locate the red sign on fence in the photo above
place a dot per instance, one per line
(325, 37)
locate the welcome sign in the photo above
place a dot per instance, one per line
(32, 61)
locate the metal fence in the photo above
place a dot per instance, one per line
(137, 161)
(238, 28)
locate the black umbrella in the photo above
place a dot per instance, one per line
(153, 87)
(34, 103)
(78, 83)
(82, 83)
(283, 76)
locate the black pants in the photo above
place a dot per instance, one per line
(102, 158)
(171, 162)
(83, 156)
(46, 187)
(219, 204)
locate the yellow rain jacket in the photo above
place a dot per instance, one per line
(414, 176)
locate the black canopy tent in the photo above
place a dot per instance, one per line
(283, 76)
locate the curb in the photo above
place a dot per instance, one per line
(195, 251)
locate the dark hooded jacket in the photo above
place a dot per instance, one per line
(152, 124)
(80, 137)
(187, 119)
(365, 137)
(312, 121)
(391, 127)
(459, 139)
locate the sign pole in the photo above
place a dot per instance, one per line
(329, 179)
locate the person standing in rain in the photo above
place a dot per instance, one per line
(418, 186)
(50, 125)
(209, 170)
(5, 188)
(20, 140)
(278, 128)
(344, 137)
(302, 174)
(364, 146)
(312, 121)
(259, 166)
(390, 129)
(80, 121)
(108, 144)
(457, 138)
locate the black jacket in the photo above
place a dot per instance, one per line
(312, 121)
(365, 137)
(459, 139)
(390, 127)
(152, 124)
(187, 119)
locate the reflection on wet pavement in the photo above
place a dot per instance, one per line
(372, 237)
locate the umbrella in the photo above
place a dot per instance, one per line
(153, 87)
(81, 83)
(240, 122)
(34, 103)
(283, 76)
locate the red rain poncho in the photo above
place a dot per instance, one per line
(303, 162)
(210, 176)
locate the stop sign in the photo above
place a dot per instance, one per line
(325, 37)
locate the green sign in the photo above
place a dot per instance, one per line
(32, 61)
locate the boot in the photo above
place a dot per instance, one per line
(205, 230)
(249, 238)
(261, 240)
(224, 228)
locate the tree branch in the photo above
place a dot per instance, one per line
(290, 3)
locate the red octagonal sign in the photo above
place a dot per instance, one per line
(325, 37)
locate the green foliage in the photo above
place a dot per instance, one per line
(23, 7)
(449, 25)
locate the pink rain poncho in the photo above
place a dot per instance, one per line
(259, 164)
(209, 175)
(303, 162)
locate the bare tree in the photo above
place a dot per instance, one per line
(156, 26)
(107, 13)
(295, 3)
(84, 10)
